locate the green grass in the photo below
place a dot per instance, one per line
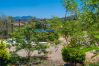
(90, 48)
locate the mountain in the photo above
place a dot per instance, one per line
(22, 18)
(27, 18)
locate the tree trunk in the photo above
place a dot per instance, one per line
(29, 58)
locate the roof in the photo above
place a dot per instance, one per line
(19, 24)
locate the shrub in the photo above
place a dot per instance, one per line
(77, 55)
(96, 64)
(4, 55)
(14, 58)
(74, 55)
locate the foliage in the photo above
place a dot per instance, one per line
(75, 55)
(6, 25)
(46, 36)
(4, 55)
(82, 30)
(90, 48)
(68, 6)
(55, 24)
(42, 24)
(96, 64)
(14, 58)
(29, 40)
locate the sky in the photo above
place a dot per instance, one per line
(37, 8)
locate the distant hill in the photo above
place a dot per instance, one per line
(23, 18)
(26, 18)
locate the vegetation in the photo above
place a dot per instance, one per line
(96, 64)
(81, 34)
(4, 55)
(73, 55)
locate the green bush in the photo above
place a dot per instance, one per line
(74, 55)
(96, 64)
(77, 55)
(4, 55)
(14, 58)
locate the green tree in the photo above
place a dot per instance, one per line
(27, 39)
(83, 32)
(86, 19)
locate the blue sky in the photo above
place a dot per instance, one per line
(38, 8)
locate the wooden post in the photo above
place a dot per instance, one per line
(19, 24)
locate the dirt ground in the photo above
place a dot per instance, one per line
(54, 55)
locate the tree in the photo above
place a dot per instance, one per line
(86, 18)
(83, 31)
(4, 26)
(42, 24)
(27, 39)
(55, 24)
(10, 23)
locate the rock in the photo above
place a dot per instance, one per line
(91, 57)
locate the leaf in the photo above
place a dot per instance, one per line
(96, 36)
